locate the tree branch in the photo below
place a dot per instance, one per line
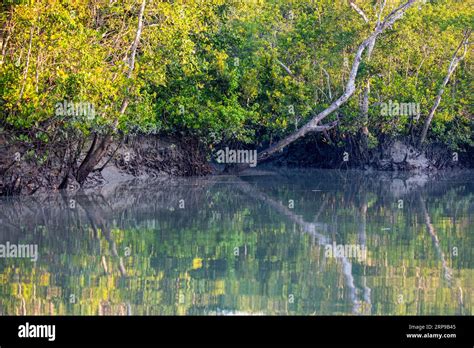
(96, 153)
(359, 11)
(452, 67)
(284, 67)
(350, 86)
(25, 74)
(131, 61)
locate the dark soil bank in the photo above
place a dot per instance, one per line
(390, 155)
(27, 170)
(23, 170)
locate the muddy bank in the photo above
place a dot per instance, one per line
(390, 155)
(29, 169)
(35, 169)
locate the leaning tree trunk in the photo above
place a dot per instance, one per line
(97, 150)
(452, 66)
(93, 157)
(313, 124)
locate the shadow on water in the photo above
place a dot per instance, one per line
(277, 242)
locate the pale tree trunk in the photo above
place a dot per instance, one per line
(364, 105)
(5, 36)
(364, 109)
(97, 150)
(452, 67)
(313, 124)
(359, 11)
(27, 67)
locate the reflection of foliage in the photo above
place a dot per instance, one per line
(186, 262)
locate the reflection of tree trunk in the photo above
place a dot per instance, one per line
(308, 227)
(22, 299)
(96, 214)
(321, 209)
(434, 237)
(448, 272)
(363, 245)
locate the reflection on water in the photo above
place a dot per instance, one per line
(283, 242)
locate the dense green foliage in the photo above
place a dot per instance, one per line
(214, 69)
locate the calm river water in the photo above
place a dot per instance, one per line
(284, 242)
